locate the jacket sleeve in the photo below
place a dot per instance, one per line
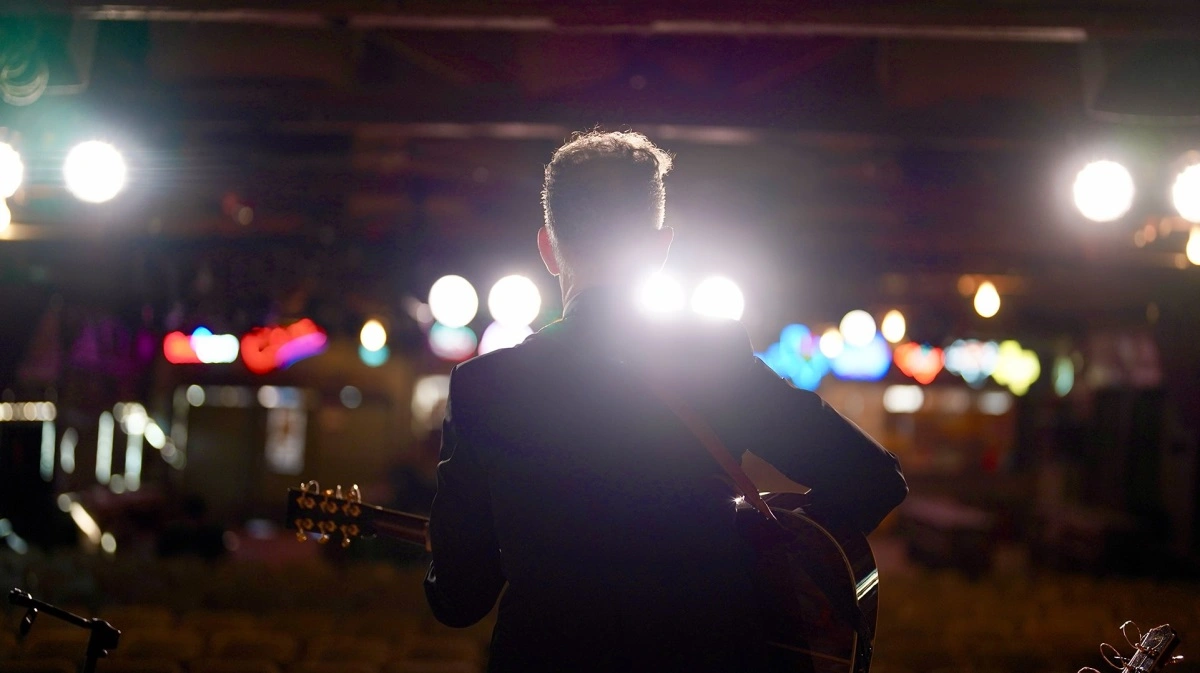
(852, 477)
(465, 576)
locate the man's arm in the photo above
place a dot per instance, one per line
(465, 576)
(853, 478)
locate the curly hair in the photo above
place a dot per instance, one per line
(601, 187)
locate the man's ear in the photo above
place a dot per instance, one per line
(546, 250)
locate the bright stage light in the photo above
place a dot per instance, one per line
(1193, 246)
(12, 171)
(514, 300)
(831, 343)
(500, 335)
(893, 326)
(1185, 193)
(372, 336)
(94, 171)
(718, 297)
(452, 301)
(1103, 191)
(858, 328)
(987, 299)
(660, 294)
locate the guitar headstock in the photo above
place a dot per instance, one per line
(328, 514)
(1152, 651)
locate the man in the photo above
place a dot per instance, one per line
(566, 478)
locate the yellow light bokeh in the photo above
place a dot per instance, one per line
(987, 300)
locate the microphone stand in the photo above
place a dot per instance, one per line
(103, 636)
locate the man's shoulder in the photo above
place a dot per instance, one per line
(498, 364)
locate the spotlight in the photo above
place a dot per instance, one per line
(514, 300)
(858, 328)
(453, 301)
(893, 326)
(1185, 193)
(987, 300)
(1103, 191)
(718, 297)
(373, 336)
(12, 171)
(660, 294)
(94, 171)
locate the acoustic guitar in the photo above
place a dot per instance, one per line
(819, 586)
(1152, 651)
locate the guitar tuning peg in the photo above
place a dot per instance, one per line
(1112, 657)
(338, 492)
(1177, 659)
(311, 486)
(1133, 642)
(355, 495)
(345, 542)
(324, 539)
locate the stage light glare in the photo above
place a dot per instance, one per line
(373, 336)
(893, 326)
(1103, 191)
(500, 335)
(987, 299)
(454, 344)
(660, 294)
(12, 171)
(1193, 246)
(5, 215)
(94, 171)
(1185, 193)
(858, 328)
(718, 297)
(831, 344)
(514, 300)
(453, 301)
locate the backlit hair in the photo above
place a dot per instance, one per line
(601, 188)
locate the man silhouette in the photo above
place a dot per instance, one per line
(566, 478)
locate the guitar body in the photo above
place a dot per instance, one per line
(818, 587)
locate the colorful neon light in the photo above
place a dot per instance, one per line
(268, 348)
(797, 357)
(201, 347)
(972, 359)
(921, 362)
(863, 363)
(1016, 367)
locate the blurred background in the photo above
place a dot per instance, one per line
(243, 243)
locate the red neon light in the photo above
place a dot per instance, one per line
(267, 348)
(920, 362)
(177, 348)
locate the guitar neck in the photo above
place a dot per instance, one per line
(401, 526)
(325, 513)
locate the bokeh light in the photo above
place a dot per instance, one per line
(893, 327)
(501, 335)
(1193, 246)
(832, 343)
(797, 357)
(454, 344)
(372, 336)
(453, 301)
(987, 300)
(1016, 367)
(94, 171)
(12, 171)
(1103, 191)
(514, 300)
(903, 399)
(858, 328)
(718, 297)
(870, 362)
(660, 294)
(1185, 193)
(5, 215)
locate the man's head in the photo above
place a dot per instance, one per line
(604, 203)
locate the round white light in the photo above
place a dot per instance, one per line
(660, 294)
(831, 344)
(1185, 193)
(372, 336)
(501, 335)
(94, 171)
(987, 299)
(351, 397)
(1103, 191)
(514, 300)
(858, 328)
(893, 326)
(452, 301)
(12, 171)
(1193, 246)
(5, 215)
(718, 297)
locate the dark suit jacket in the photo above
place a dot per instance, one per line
(563, 476)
